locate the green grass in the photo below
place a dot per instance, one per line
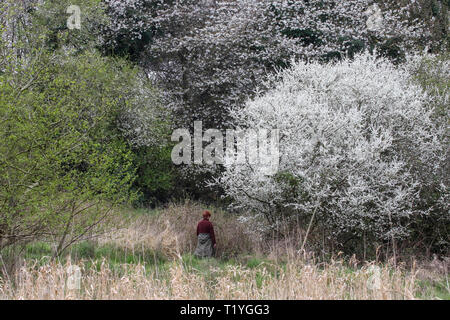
(194, 264)
(210, 269)
(38, 250)
(434, 289)
(93, 255)
(255, 262)
(88, 250)
(140, 211)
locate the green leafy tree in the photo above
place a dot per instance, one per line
(66, 156)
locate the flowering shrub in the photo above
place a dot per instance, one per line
(209, 55)
(357, 147)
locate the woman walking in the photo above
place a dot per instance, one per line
(206, 241)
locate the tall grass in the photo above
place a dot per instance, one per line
(148, 256)
(173, 231)
(294, 280)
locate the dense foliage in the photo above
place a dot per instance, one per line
(209, 55)
(70, 121)
(359, 150)
(361, 105)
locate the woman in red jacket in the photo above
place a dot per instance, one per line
(206, 240)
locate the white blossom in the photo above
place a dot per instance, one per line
(210, 55)
(357, 145)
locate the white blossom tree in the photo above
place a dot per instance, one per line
(358, 146)
(210, 55)
(144, 123)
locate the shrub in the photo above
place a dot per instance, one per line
(358, 146)
(66, 135)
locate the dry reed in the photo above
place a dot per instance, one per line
(283, 274)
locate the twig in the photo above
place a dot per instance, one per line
(309, 228)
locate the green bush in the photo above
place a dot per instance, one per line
(64, 160)
(155, 174)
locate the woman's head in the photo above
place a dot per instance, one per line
(206, 214)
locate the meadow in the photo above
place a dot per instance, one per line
(149, 256)
(351, 202)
